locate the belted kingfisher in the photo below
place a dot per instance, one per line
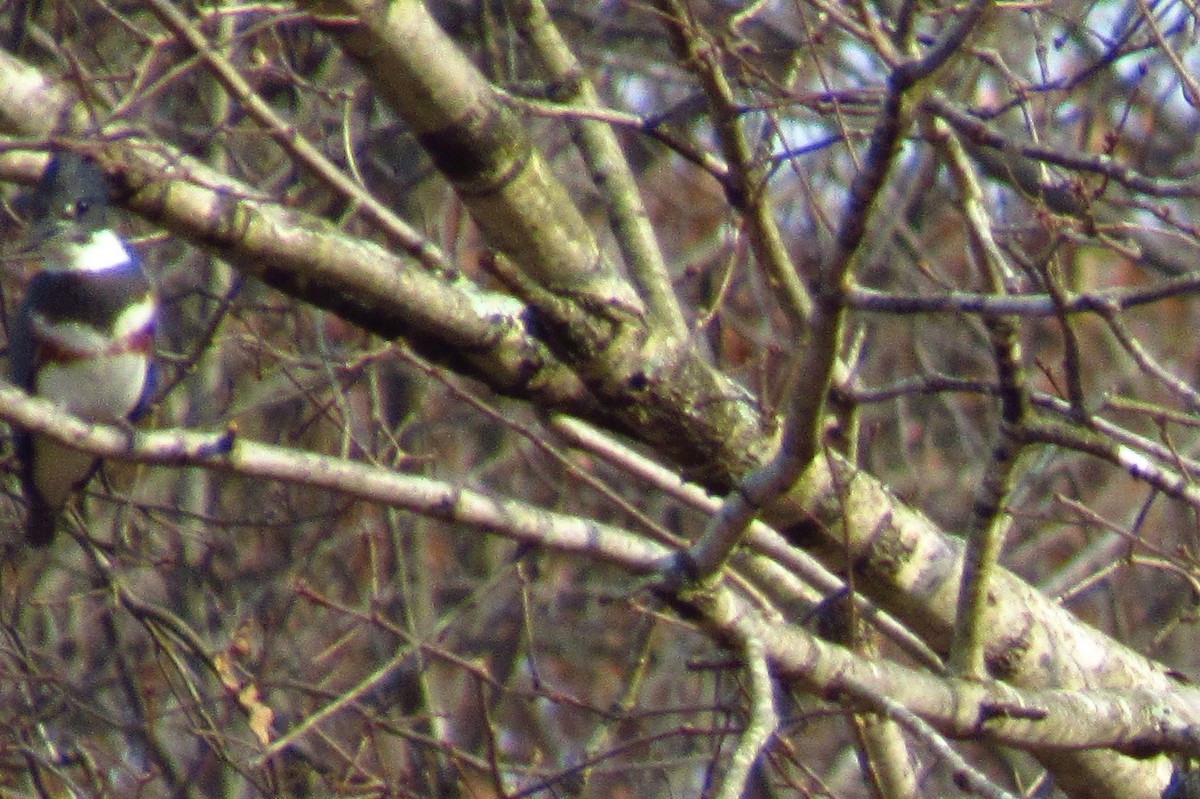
(82, 337)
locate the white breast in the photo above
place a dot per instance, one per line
(104, 389)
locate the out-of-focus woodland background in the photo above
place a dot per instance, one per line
(541, 283)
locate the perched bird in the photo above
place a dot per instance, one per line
(82, 337)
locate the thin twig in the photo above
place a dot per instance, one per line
(397, 230)
(760, 726)
(964, 773)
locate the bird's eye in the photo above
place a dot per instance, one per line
(75, 210)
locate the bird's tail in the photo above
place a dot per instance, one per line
(42, 521)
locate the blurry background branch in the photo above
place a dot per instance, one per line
(371, 173)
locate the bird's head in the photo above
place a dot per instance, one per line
(70, 216)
